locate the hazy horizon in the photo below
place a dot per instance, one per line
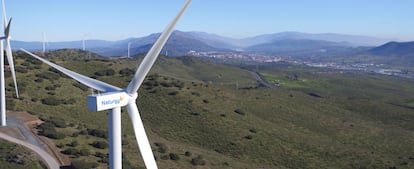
(106, 20)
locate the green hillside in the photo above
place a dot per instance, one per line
(197, 117)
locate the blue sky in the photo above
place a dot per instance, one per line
(115, 20)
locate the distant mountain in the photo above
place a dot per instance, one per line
(331, 37)
(218, 41)
(183, 42)
(401, 53)
(60, 45)
(303, 48)
(179, 44)
(398, 49)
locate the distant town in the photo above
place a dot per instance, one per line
(262, 58)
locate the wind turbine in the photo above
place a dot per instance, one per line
(84, 41)
(44, 42)
(9, 54)
(114, 98)
(129, 49)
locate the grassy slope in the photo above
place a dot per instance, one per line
(359, 121)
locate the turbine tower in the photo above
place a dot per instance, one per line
(114, 98)
(9, 54)
(129, 49)
(44, 42)
(83, 41)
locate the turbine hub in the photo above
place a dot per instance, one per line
(133, 97)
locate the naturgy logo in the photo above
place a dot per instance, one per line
(113, 101)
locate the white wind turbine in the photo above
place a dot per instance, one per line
(114, 98)
(6, 38)
(129, 49)
(83, 42)
(44, 41)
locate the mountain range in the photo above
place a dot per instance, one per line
(284, 43)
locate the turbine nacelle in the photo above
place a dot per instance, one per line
(106, 101)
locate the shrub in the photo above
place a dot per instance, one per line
(166, 84)
(25, 64)
(107, 72)
(187, 153)
(100, 155)
(126, 71)
(70, 101)
(81, 164)
(174, 157)
(70, 151)
(20, 69)
(195, 113)
(100, 144)
(198, 161)
(98, 133)
(50, 88)
(84, 152)
(162, 148)
(173, 93)
(248, 137)
(34, 61)
(164, 157)
(39, 80)
(253, 130)
(48, 75)
(58, 122)
(238, 111)
(48, 129)
(80, 86)
(57, 72)
(74, 143)
(52, 101)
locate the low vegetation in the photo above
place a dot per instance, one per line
(196, 115)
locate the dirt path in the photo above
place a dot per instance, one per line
(48, 159)
(261, 80)
(22, 126)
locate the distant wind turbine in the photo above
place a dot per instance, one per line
(114, 98)
(44, 42)
(129, 49)
(83, 42)
(9, 54)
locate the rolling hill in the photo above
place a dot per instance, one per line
(200, 114)
(397, 54)
(395, 49)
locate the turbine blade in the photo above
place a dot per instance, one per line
(92, 83)
(4, 14)
(141, 136)
(152, 55)
(11, 64)
(7, 29)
